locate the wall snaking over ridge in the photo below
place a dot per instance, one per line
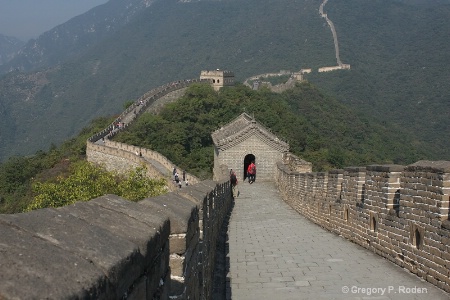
(122, 157)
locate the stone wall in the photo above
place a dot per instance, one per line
(279, 88)
(85, 251)
(111, 248)
(398, 212)
(121, 157)
(142, 104)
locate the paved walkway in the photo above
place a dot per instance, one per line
(275, 253)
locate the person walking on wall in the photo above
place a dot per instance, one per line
(234, 183)
(251, 172)
(174, 171)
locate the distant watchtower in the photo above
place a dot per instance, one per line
(218, 78)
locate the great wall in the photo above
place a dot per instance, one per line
(255, 82)
(165, 247)
(110, 248)
(170, 246)
(340, 65)
(398, 212)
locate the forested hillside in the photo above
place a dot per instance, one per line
(74, 37)
(398, 52)
(400, 57)
(170, 40)
(318, 128)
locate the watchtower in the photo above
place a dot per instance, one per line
(219, 78)
(243, 141)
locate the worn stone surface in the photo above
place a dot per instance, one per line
(40, 265)
(121, 225)
(276, 253)
(178, 209)
(92, 250)
(111, 254)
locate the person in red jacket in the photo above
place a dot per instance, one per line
(251, 172)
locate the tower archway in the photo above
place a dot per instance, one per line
(248, 159)
(244, 140)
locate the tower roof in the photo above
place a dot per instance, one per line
(241, 129)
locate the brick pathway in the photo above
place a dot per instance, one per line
(275, 253)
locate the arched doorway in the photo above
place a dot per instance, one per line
(247, 160)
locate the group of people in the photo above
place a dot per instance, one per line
(177, 180)
(251, 175)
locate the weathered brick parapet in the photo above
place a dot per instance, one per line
(110, 248)
(398, 212)
(102, 249)
(120, 157)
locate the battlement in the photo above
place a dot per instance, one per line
(398, 212)
(218, 78)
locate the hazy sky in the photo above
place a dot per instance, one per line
(27, 19)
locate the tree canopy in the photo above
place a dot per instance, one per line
(318, 128)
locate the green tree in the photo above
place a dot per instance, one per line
(85, 182)
(88, 181)
(137, 186)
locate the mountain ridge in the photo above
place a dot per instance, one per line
(169, 41)
(8, 48)
(73, 37)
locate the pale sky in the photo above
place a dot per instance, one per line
(27, 19)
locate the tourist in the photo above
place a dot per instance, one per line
(251, 172)
(234, 183)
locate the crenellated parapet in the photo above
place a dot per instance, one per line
(398, 212)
